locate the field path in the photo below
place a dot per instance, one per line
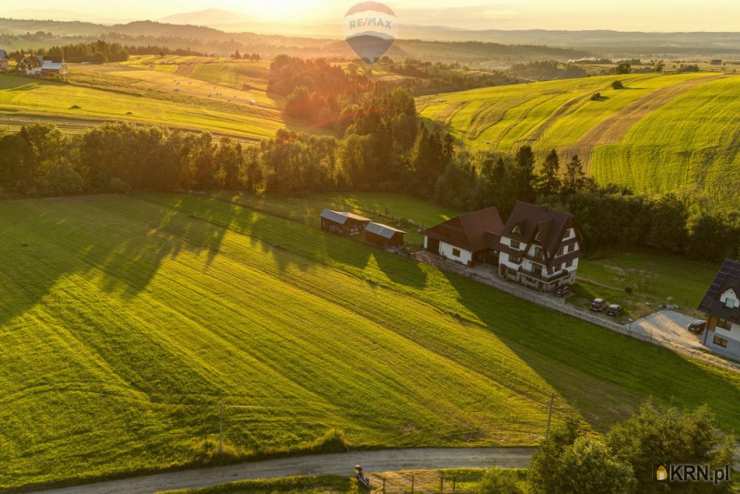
(325, 464)
(614, 129)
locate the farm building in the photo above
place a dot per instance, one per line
(468, 239)
(384, 235)
(721, 304)
(539, 248)
(343, 223)
(53, 70)
(3, 60)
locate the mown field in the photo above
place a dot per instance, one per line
(169, 91)
(127, 322)
(663, 133)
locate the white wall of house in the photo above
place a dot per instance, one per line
(730, 299)
(455, 253)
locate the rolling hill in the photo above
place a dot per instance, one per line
(127, 322)
(221, 96)
(663, 133)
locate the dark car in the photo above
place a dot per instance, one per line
(698, 327)
(614, 310)
(598, 305)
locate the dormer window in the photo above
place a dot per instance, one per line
(538, 237)
(516, 231)
(730, 299)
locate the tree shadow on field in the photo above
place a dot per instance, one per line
(399, 270)
(601, 375)
(116, 242)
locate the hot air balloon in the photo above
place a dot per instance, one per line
(370, 29)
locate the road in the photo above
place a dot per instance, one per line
(327, 464)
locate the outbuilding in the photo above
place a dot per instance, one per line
(383, 235)
(343, 223)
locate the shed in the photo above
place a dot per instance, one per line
(384, 235)
(343, 223)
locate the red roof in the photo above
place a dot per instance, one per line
(476, 231)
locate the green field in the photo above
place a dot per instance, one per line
(153, 90)
(663, 133)
(125, 322)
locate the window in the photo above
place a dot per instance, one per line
(724, 324)
(456, 252)
(719, 341)
(515, 244)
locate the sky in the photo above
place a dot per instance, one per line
(623, 15)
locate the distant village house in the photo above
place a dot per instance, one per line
(3, 60)
(468, 239)
(343, 223)
(721, 304)
(539, 248)
(384, 236)
(35, 66)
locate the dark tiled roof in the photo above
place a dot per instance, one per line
(342, 217)
(474, 231)
(546, 226)
(727, 278)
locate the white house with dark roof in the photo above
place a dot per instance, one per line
(469, 239)
(721, 304)
(3, 60)
(539, 248)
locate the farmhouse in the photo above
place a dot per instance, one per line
(539, 248)
(721, 304)
(468, 239)
(383, 235)
(3, 60)
(53, 70)
(343, 223)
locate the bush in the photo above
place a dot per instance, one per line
(596, 97)
(617, 85)
(333, 441)
(497, 481)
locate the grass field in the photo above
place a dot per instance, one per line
(144, 90)
(125, 322)
(677, 132)
(654, 279)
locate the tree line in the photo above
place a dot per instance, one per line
(382, 144)
(97, 52)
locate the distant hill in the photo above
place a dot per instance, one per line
(211, 40)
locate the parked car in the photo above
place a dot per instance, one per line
(614, 310)
(598, 305)
(698, 327)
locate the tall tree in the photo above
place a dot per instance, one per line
(549, 180)
(574, 175)
(525, 174)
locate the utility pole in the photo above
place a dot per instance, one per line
(549, 415)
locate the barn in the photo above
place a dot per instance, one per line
(343, 223)
(383, 235)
